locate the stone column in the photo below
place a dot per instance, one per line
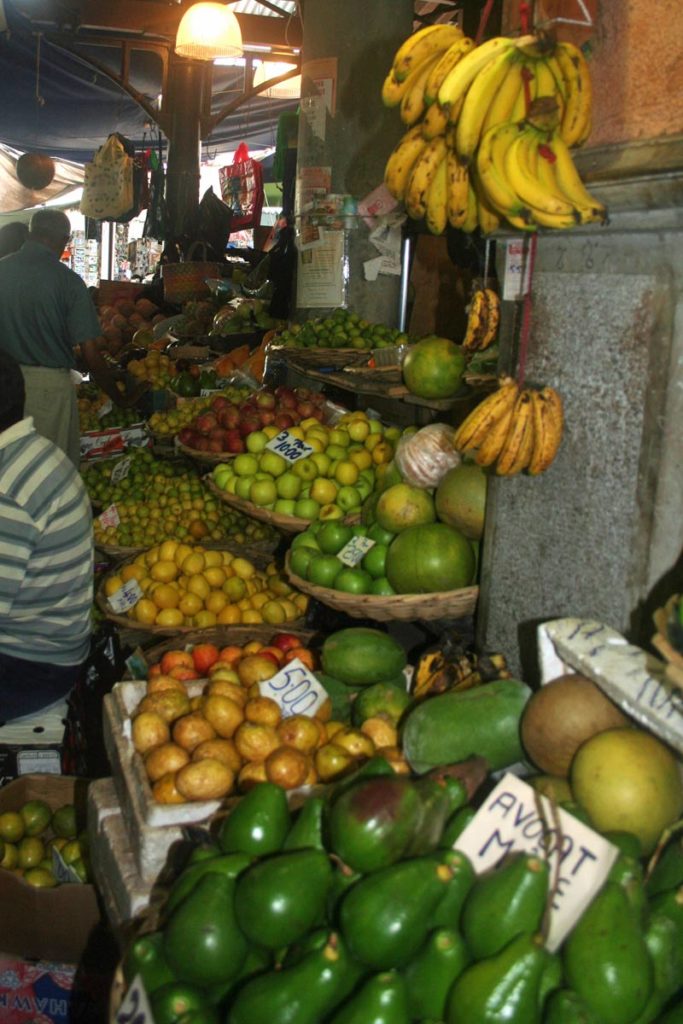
(185, 83)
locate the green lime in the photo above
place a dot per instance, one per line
(323, 570)
(40, 878)
(299, 560)
(64, 821)
(12, 827)
(382, 587)
(374, 562)
(36, 815)
(31, 852)
(353, 581)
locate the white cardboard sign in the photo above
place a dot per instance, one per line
(135, 1008)
(110, 517)
(121, 469)
(289, 447)
(515, 818)
(126, 597)
(295, 689)
(355, 550)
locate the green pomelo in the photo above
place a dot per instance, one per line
(403, 505)
(433, 368)
(427, 559)
(460, 499)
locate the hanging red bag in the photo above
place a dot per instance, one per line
(242, 189)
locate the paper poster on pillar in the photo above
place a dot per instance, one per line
(312, 185)
(320, 281)
(319, 94)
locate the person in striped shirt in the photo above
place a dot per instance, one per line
(46, 561)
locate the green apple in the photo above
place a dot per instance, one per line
(331, 511)
(364, 489)
(368, 475)
(333, 535)
(285, 506)
(307, 508)
(307, 539)
(231, 484)
(374, 562)
(340, 437)
(392, 434)
(349, 498)
(243, 487)
(305, 491)
(245, 464)
(262, 476)
(323, 570)
(271, 462)
(335, 451)
(300, 558)
(221, 475)
(256, 441)
(375, 427)
(353, 581)
(263, 492)
(288, 485)
(305, 469)
(322, 461)
(324, 490)
(358, 429)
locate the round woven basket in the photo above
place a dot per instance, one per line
(444, 604)
(288, 524)
(209, 458)
(259, 554)
(336, 357)
(672, 657)
(222, 636)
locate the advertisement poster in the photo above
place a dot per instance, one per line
(320, 283)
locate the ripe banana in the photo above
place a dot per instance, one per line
(482, 320)
(422, 44)
(519, 442)
(476, 426)
(436, 216)
(421, 176)
(471, 220)
(413, 102)
(548, 422)
(401, 161)
(478, 99)
(435, 121)
(576, 120)
(458, 189)
(444, 65)
(527, 187)
(569, 183)
(491, 172)
(459, 79)
(502, 104)
(488, 219)
(492, 445)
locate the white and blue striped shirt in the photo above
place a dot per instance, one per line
(46, 551)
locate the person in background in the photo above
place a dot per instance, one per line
(46, 561)
(12, 237)
(45, 312)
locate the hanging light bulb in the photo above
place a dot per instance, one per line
(287, 90)
(208, 31)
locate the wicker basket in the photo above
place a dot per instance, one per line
(672, 657)
(336, 357)
(259, 554)
(208, 458)
(445, 604)
(183, 281)
(288, 524)
(222, 636)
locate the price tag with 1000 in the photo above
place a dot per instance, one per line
(291, 448)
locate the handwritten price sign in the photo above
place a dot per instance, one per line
(126, 597)
(121, 469)
(110, 517)
(355, 551)
(289, 447)
(135, 1008)
(295, 689)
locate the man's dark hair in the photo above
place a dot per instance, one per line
(12, 391)
(12, 237)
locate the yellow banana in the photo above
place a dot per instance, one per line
(491, 171)
(422, 44)
(548, 421)
(458, 189)
(576, 120)
(444, 65)
(502, 104)
(434, 122)
(570, 185)
(459, 79)
(520, 176)
(478, 99)
(401, 160)
(492, 317)
(519, 442)
(491, 447)
(393, 90)
(436, 216)
(525, 94)
(471, 221)
(477, 315)
(546, 85)
(422, 175)
(488, 219)
(475, 427)
(558, 78)
(413, 102)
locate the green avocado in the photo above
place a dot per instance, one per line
(202, 942)
(382, 999)
(432, 971)
(145, 956)
(501, 987)
(229, 865)
(307, 830)
(258, 824)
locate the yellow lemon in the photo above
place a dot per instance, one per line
(258, 600)
(301, 602)
(132, 572)
(273, 613)
(346, 473)
(231, 615)
(113, 584)
(213, 558)
(199, 586)
(227, 557)
(167, 550)
(235, 588)
(145, 611)
(270, 431)
(216, 601)
(164, 571)
(214, 575)
(169, 617)
(194, 563)
(181, 553)
(166, 596)
(296, 432)
(190, 604)
(242, 568)
(290, 609)
(251, 616)
(203, 620)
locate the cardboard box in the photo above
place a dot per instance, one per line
(33, 745)
(46, 924)
(103, 444)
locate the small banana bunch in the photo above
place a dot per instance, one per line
(451, 94)
(483, 317)
(514, 429)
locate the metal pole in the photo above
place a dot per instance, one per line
(406, 251)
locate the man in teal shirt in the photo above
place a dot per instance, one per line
(45, 312)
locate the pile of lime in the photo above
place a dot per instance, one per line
(342, 329)
(29, 835)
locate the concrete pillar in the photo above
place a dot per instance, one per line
(363, 35)
(185, 83)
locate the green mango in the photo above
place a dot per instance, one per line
(307, 830)
(382, 999)
(503, 987)
(606, 959)
(304, 992)
(145, 956)
(504, 902)
(432, 971)
(449, 908)
(259, 823)
(230, 865)
(454, 827)
(386, 916)
(664, 944)
(668, 871)
(628, 873)
(170, 1002)
(566, 1007)
(341, 696)
(202, 942)
(279, 899)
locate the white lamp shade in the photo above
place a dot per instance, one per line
(208, 31)
(287, 90)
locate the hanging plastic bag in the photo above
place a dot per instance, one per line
(242, 189)
(108, 182)
(156, 221)
(425, 457)
(215, 223)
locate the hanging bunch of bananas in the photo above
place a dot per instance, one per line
(452, 95)
(483, 317)
(514, 429)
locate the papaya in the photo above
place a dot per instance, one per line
(360, 656)
(451, 726)
(433, 367)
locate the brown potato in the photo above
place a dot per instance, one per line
(148, 730)
(255, 668)
(301, 732)
(262, 711)
(223, 688)
(287, 767)
(157, 684)
(167, 757)
(170, 704)
(324, 712)
(190, 730)
(223, 713)
(332, 761)
(254, 742)
(222, 750)
(208, 779)
(356, 742)
(250, 775)
(165, 791)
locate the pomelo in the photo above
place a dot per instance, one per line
(629, 781)
(460, 499)
(430, 558)
(433, 368)
(402, 506)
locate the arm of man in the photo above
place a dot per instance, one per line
(104, 378)
(17, 537)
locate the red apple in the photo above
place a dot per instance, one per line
(186, 437)
(265, 400)
(266, 417)
(248, 425)
(206, 422)
(220, 402)
(285, 641)
(217, 434)
(305, 409)
(234, 442)
(283, 421)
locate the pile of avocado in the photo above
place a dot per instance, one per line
(356, 909)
